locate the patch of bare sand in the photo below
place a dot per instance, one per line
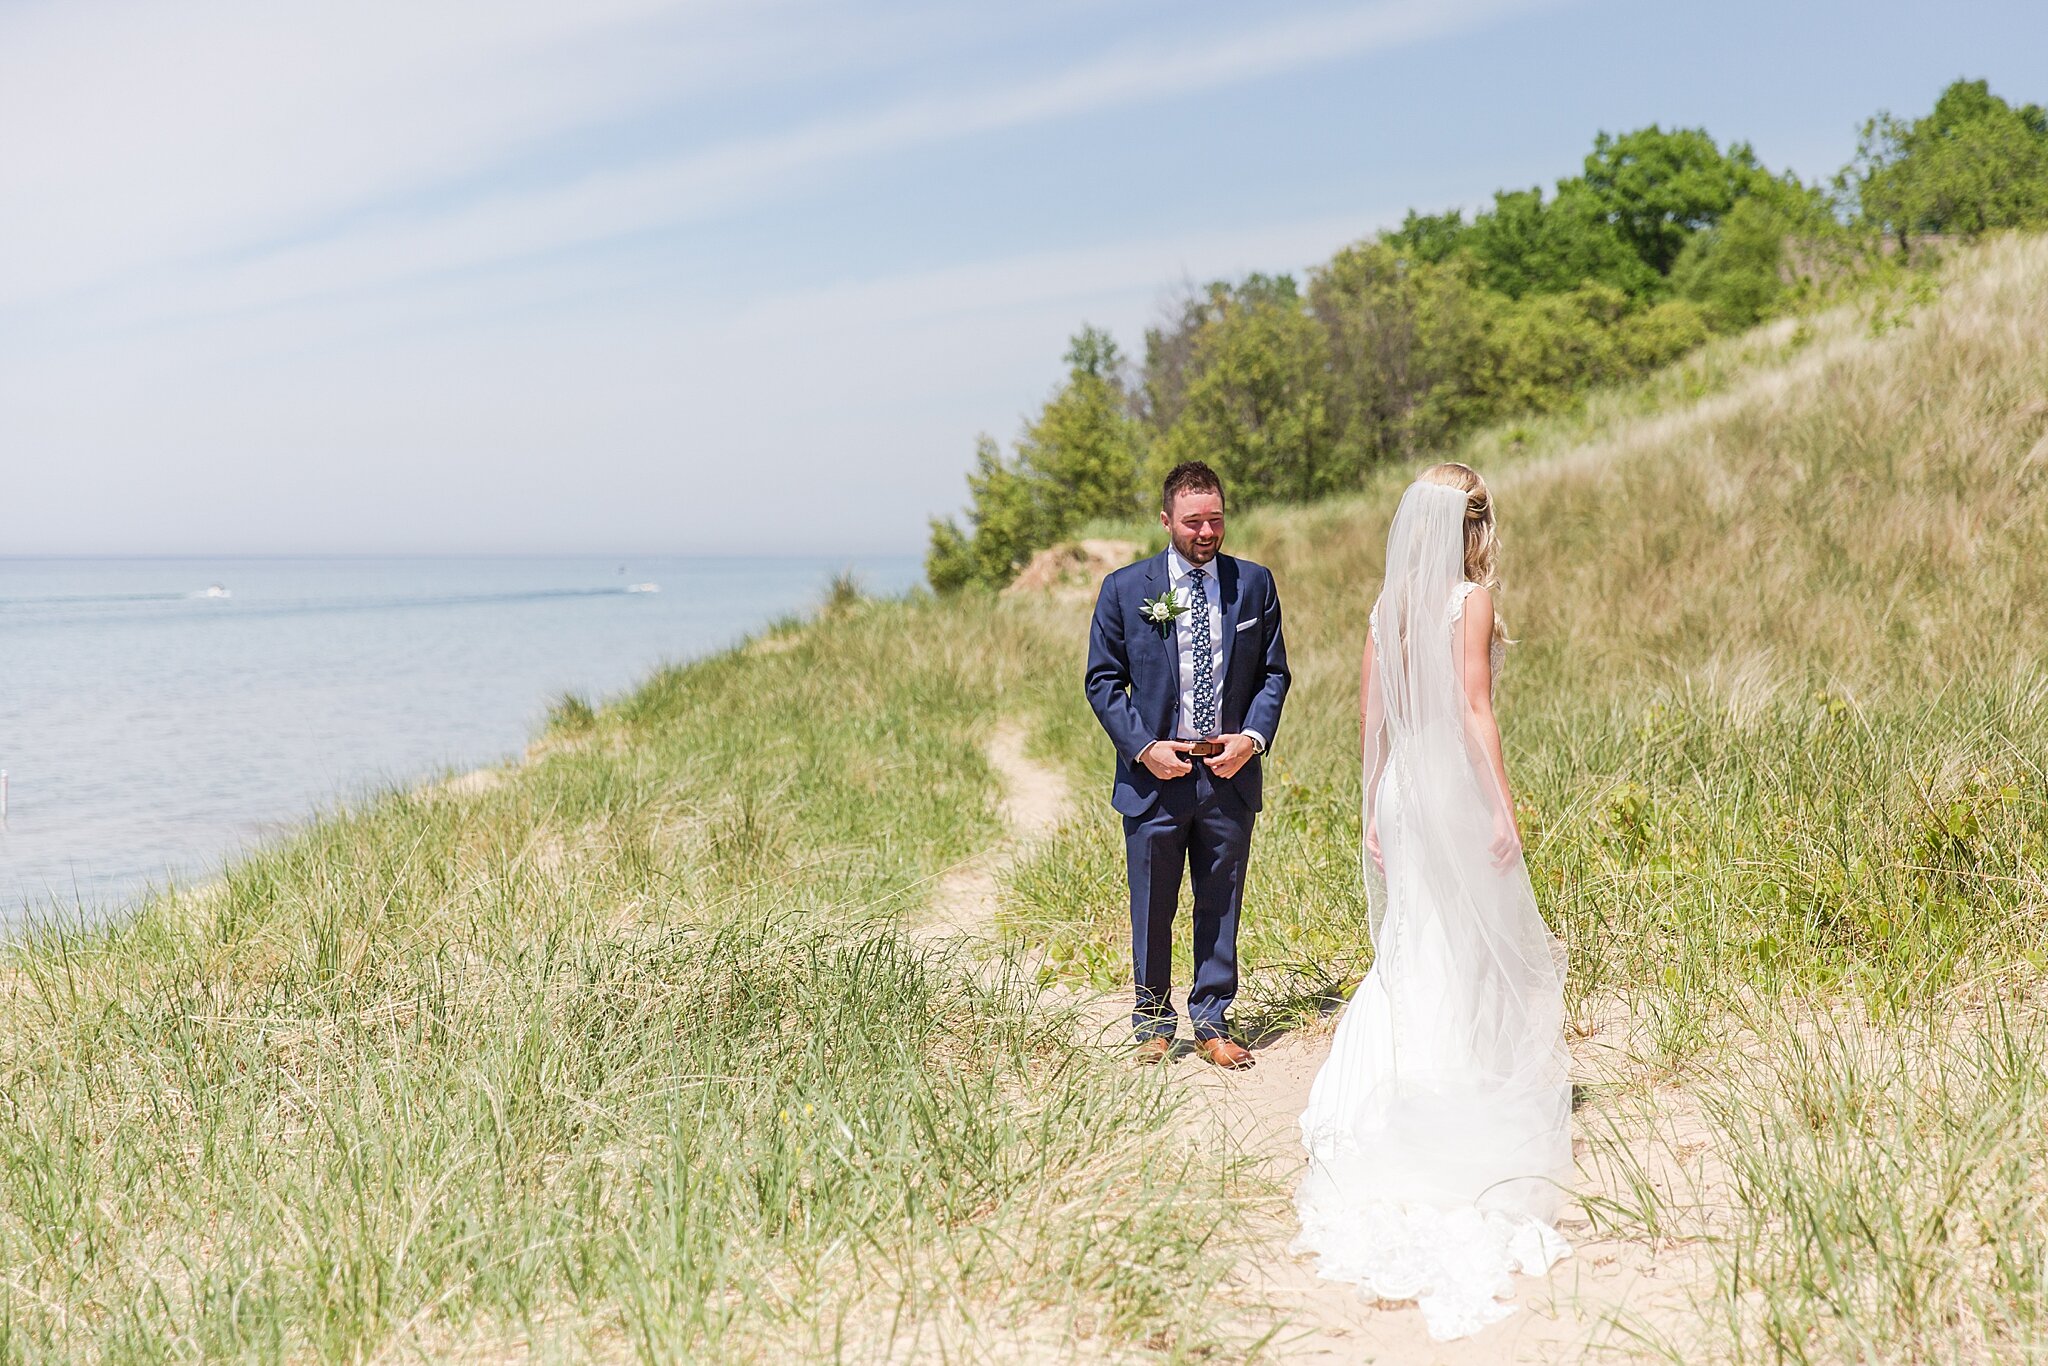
(1595, 1304)
(473, 783)
(1072, 569)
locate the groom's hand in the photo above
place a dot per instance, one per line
(1237, 752)
(1163, 759)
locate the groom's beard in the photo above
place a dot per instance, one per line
(1198, 555)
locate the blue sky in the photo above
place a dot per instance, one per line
(747, 275)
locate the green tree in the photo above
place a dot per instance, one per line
(1170, 349)
(1735, 270)
(1078, 459)
(948, 557)
(1257, 399)
(1407, 340)
(1546, 351)
(1430, 237)
(1008, 518)
(1085, 447)
(1093, 352)
(1170, 352)
(1972, 165)
(1659, 188)
(1526, 245)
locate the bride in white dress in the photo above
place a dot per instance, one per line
(1438, 1131)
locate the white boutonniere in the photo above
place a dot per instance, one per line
(1164, 610)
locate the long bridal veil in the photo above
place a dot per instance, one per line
(1438, 1131)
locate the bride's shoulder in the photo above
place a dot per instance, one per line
(1466, 592)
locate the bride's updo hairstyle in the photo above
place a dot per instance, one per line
(1482, 537)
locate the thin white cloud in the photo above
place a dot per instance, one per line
(140, 134)
(705, 182)
(674, 428)
(1147, 267)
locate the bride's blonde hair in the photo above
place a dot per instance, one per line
(1482, 536)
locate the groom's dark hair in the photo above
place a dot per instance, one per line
(1189, 476)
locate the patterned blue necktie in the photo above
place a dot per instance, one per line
(1203, 652)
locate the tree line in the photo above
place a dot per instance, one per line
(1402, 343)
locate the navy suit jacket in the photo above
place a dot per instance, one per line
(1134, 674)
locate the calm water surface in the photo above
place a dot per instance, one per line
(149, 730)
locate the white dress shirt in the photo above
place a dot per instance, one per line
(1181, 582)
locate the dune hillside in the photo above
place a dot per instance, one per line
(1776, 722)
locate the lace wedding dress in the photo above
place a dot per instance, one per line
(1438, 1131)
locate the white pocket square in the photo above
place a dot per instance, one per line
(1247, 625)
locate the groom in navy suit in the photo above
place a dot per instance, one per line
(1187, 671)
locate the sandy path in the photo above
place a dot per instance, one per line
(963, 905)
(1565, 1317)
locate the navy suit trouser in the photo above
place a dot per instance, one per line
(1210, 836)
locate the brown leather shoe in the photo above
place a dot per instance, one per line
(1154, 1050)
(1225, 1054)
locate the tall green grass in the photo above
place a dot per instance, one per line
(623, 1054)
(1868, 1191)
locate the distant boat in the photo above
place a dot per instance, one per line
(643, 588)
(214, 590)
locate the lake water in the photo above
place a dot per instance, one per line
(149, 728)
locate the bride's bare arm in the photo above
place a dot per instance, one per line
(1368, 698)
(1480, 724)
(1370, 722)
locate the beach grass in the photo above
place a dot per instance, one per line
(629, 1051)
(623, 1052)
